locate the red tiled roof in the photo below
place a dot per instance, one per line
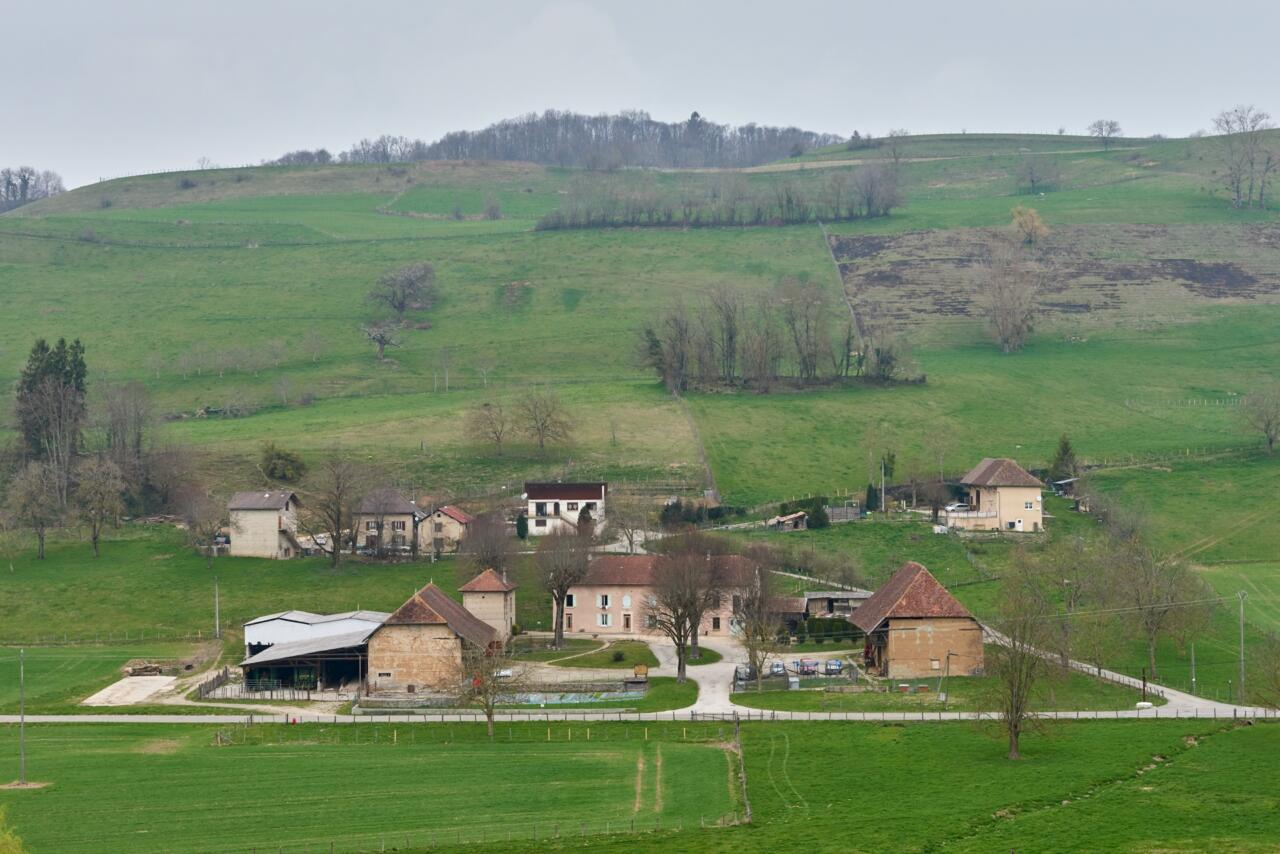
(487, 582)
(431, 606)
(642, 570)
(999, 472)
(912, 593)
(456, 515)
(566, 491)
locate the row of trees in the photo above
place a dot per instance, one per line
(22, 184)
(871, 191)
(1251, 157)
(569, 139)
(732, 339)
(538, 414)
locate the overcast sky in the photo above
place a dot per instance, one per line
(101, 89)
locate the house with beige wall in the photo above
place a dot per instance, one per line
(916, 629)
(1003, 496)
(613, 597)
(445, 529)
(419, 648)
(492, 598)
(385, 520)
(264, 524)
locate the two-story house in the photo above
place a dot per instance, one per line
(1003, 496)
(564, 506)
(385, 520)
(264, 524)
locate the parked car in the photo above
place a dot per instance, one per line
(744, 673)
(833, 667)
(957, 507)
(777, 669)
(806, 666)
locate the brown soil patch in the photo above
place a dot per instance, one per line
(162, 746)
(30, 784)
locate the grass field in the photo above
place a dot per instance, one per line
(58, 678)
(1104, 786)
(1073, 691)
(152, 788)
(633, 653)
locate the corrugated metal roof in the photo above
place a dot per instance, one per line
(310, 646)
(261, 500)
(912, 592)
(999, 472)
(310, 619)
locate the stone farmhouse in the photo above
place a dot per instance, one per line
(1003, 496)
(564, 506)
(419, 647)
(916, 629)
(614, 596)
(264, 524)
(446, 528)
(385, 520)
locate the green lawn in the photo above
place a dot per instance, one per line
(633, 653)
(665, 694)
(1074, 691)
(706, 655)
(155, 788)
(58, 678)
(537, 649)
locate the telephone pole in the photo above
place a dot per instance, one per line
(1240, 687)
(22, 717)
(217, 610)
(883, 507)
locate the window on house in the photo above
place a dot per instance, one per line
(439, 527)
(650, 621)
(605, 619)
(626, 600)
(371, 526)
(540, 509)
(568, 600)
(935, 664)
(715, 624)
(1028, 505)
(626, 622)
(397, 526)
(591, 505)
(386, 674)
(603, 600)
(539, 523)
(568, 621)
(572, 505)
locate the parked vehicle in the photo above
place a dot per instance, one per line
(833, 667)
(744, 673)
(957, 507)
(777, 669)
(806, 666)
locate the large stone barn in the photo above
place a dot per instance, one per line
(419, 647)
(914, 627)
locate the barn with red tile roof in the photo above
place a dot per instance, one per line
(915, 629)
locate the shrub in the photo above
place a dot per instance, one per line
(187, 183)
(619, 655)
(280, 464)
(515, 629)
(105, 202)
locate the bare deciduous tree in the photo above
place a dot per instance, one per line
(562, 560)
(488, 678)
(683, 590)
(382, 336)
(1105, 130)
(755, 608)
(1038, 173)
(488, 544)
(1016, 661)
(1250, 161)
(204, 516)
(488, 422)
(99, 496)
(409, 287)
(628, 519)
(315, 343)
(127, 419)
(336, 485)
(34, 503)
(1159, 590)
(1008, 289)
(1260, 412)
(543, 418)
(804, 314)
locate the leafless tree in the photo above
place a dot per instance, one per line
(727, 309)
(1038, 172)
(99, 496)
(876, 191)
(488, 422)
(562, 559)
(1028, 225)
(204, 517)
(315, 343)
(668, 346)
(283, 388)
(938, 443)
(1260, 412)
(1160, 591)
(406, 288)
(445, 360)
(936, 494)
(127, 419)
(382, 336)
(803, 306)
(1008, 288)
(490, 677)
(543, 418)
(895, 141)
(762, 348)
(374, 508)
(485, 365)
(628, 519)
(335, 487)
(1025, 615)
(1250, 161)
(755, 608)
(489, 544)
(683, 591)
(33, 501)
(1105, 130)
(884, 353)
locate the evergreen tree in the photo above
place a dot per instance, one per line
(872, 503)
(61, 365)
(522, 526)
(1064, 465)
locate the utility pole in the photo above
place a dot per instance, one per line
(1240, 687)
(1193, 667)
(22, 717)
(883, 507)
(217, 610)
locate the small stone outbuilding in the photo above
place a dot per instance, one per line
(916, 629)
(264, 524)
(492, 598)
(419, 648)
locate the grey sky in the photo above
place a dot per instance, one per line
(100, 89)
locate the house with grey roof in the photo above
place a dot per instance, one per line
(264, 524)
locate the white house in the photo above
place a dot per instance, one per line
(564, 506)
(264, 524)
(292, 626)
